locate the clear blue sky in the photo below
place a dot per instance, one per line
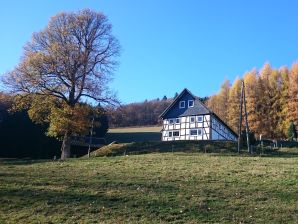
(169, 45)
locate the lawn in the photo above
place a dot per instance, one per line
(152, 188)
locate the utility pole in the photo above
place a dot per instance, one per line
(90, 139)
(246, 121)
(240, 119)
(243, 101)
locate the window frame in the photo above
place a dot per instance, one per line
(170, 134)
(176, 135)
(196, 130)
(193, 103)
(171, 121)
(177, 119)
(201, 131)
(201, 116)
(180, 104)
(194, 119)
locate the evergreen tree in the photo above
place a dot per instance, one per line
(292, 133)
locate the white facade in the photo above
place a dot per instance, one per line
(200, 127)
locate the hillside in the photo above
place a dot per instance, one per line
(152, 188)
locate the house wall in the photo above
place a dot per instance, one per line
(185, 126)
(209, 128)
(219, 131)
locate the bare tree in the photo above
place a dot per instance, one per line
(70, 60)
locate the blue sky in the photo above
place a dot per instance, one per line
(169, 45)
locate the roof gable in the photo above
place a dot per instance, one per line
(173, 109)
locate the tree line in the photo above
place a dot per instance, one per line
(140, 114)
(21, 137)
(271, 99)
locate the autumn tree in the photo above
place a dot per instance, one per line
(218, 103)
(293, 94)
(68, 62)
(233, 109)
(284, 121)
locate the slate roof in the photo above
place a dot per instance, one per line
(198, 109)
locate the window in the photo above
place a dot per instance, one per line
(200, 131)
(200, 118)
(177, 120)
(190, 103)
(170, 134)
(194, 132)
(182, 104)
(176, 133)
(192, 119)
(171, 121)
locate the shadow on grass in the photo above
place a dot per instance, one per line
(11, 162)
(133, 203)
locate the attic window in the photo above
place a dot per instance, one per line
(190, 103)
(182, 104)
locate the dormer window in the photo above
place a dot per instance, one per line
(190, 103)
(182, 104)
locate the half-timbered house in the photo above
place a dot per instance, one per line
(187, 118)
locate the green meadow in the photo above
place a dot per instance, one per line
(167, 187)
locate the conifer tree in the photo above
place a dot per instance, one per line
(284, 121)
(223, 100)
(293, 94)
(234, 104)
(252, 101)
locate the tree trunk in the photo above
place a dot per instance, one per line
(65, 148)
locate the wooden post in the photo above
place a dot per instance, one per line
(246, 121)
(90, 140)
(240, 119)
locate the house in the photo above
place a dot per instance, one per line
(187, 118)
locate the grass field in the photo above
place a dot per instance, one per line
(152, 188)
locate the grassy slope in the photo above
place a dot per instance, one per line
(151, 188)
(170, 146)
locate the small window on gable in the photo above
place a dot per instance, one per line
(171, 121)
(182, 104)
(200, 118)
(177, 120)
(190, 103)
(192, 119)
